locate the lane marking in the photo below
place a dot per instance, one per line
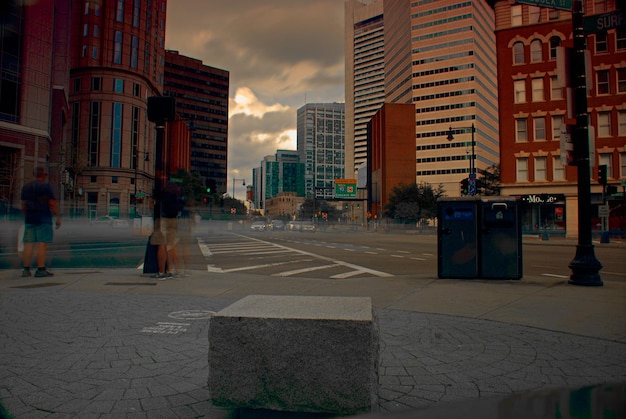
(305, 270)
(555, 276)
(419, 259)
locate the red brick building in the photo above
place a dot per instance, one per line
(391, 153)
(533, 112)
(34, 74)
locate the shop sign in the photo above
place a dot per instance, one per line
(543, 198)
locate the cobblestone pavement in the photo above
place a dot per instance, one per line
(68, 353)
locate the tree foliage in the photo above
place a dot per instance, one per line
(490, 181)
(413, 202)
(193, 184)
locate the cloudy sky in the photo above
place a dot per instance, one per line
(279, 53)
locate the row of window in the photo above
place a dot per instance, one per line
(540, 167)
(603, 126)
(607, 82)
(117, 85)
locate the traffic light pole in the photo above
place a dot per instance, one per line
(585, 266)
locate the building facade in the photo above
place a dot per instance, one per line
(534, 116)
(34, 90)
(365, 76)
(281, 174)
(117, 63)
(440, 56)
(321, 142)
(201, 94)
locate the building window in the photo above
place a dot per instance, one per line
(622, 167)
(541, 168)
(537, 94)
(534, 14)
(558, 171)
(621, 80)
(77, 84)
(557, 123)
(136, 89)
(117, 48)
(607, 160)
(555, 43)
(134, 52)
(556, 91)
(119, 12)
(599, 6)
(521, 166)
(553, 14)
(518, 53)
(96, 9)
(519, 87)
(118, 85)
(96, 31)
(621, 123)
(602, 79)
(94, 52)
(85, 29)
(516, 15)
(84, 51)
(540, 128)
(620, 38)
(116, 134)
(86, 11)
(96, 83)
(521, 130)
(602, 44)
(94, 133)
(535, 51)
(604, 124)
(114, 179)
(136, 12)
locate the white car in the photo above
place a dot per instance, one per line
(108, 221)
(257, 226)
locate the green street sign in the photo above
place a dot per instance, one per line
(552, 4)
(176, 180)
(345, 188)
(604, 22)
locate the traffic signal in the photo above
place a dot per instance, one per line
(346, 206)
(465, 186)
(602, 174)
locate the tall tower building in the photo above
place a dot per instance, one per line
(440, 56)
(117, 63)
(365, 76)
(201, 94)
(321, 142)
(280, 173)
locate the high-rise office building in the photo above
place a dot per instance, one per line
(321, 142)
(365, 76)
(201, 94)
(440, 56)
(278, 174)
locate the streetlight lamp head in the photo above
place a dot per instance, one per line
(243, 183)
(450, 135)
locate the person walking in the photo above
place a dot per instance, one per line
(166, 230)
(38, 206)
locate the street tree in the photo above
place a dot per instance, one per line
(413, 202)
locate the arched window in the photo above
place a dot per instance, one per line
(518, 53)
(555, 42)
(535, 51)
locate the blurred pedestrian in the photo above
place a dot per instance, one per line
(38, 206)
(166, 230)
(186, 224)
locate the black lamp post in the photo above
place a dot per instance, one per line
(146, 159)
(243, 182)
(585, 267)
(472, 163)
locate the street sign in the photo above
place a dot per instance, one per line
(345, 188)
(553, 4)
(603, 211)
(604, 22)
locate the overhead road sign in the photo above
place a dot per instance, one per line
(345, 188)
(604, 22)
(553, 4)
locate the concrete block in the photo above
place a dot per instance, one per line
(295, 353)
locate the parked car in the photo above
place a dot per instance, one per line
(277, 225)
(257, 226)
(294, 225)
(307, 226)
(108, 221)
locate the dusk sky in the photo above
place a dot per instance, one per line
(278, 53)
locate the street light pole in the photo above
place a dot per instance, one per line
(472, 163)
(243, 183)
(585, 267)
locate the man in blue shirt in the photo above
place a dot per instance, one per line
(38, 206)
